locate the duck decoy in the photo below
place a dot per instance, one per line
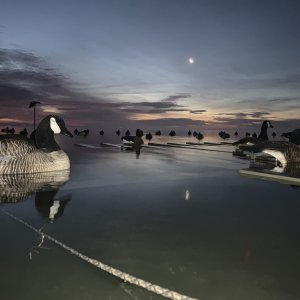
(284, 152)
(19, 154)
(293, 136)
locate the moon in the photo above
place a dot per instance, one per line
(191, 60)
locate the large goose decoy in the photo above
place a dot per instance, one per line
(19, 155)
(284, 152)
(263, 136)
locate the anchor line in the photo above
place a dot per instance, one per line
(156, 289)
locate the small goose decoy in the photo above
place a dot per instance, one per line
(236, 133)
(149, 136)
(189, 133)
(172, 133)
(20, 155)
(118, 132)
(293, 136)
(273, 134)
(101, 132)
(247, 134)
(224, 135)
(158, 133)
(199, 136)
(263, 136)
(284, 152)
(24, 132)
(254, 135)
(127, 133)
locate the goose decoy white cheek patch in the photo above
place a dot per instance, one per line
(54, 126)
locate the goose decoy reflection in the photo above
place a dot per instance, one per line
(17, 187)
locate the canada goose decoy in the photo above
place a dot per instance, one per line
(189, 133)
(199, 136)
(236, 133)
(158, 133)
(195, 133)
(101, 132)
(284, 152)
(263, 136)
(172, 133)
(19, 155)
(247, 134)
(118, 132)
(293, 136)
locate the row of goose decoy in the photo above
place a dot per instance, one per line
(40, 152)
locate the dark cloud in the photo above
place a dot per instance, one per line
(177, 97)
(256, 114)
(197, 111)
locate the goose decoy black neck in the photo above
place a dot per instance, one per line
(44, 134)
(264, 130)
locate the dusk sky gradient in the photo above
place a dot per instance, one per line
(108, 64)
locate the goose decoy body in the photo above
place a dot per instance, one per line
(284, 152)
(293, 136)
(21, 155)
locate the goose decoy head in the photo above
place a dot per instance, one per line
(57, 125)
(267, 124)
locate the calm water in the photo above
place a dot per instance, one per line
(183, 219)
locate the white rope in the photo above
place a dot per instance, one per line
(115, 272)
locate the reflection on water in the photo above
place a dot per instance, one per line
(183, 219)
(18, 187)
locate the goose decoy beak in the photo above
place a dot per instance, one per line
(66, 132)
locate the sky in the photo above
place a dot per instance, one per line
(125, 63)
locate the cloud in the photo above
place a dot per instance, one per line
(256, 114)
(198, 111)
(176, 97)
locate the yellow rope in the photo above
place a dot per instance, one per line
(115, 272)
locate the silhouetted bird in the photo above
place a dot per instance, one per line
(8, 130)
(274, 134)
(236, 133)
(127, 133)
(101, 132)
(189, 133)
(254, 135)
(195, 133)
(118, 132)
(172, 133)
(158, 133)
(24, 132)
(76, 131)
(247, 134)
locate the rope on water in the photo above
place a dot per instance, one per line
(156, 289)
